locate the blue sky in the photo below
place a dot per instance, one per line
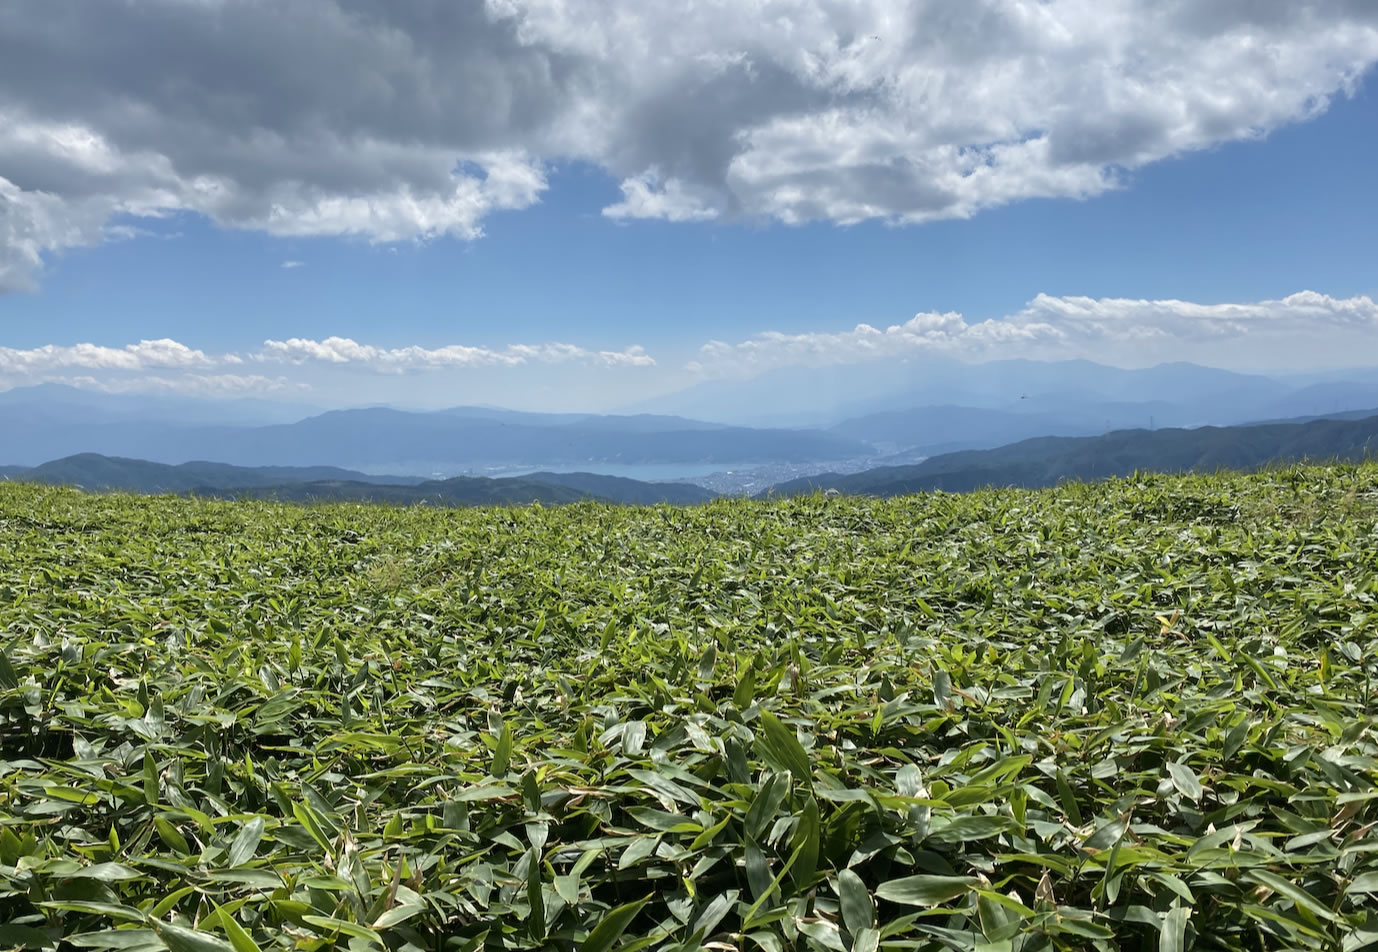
(615, 301)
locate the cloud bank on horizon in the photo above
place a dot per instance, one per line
(1315, 330)
(409, 121)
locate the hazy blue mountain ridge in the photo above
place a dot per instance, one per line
(93, 472)
(381, 436)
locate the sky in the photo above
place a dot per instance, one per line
(579, 204)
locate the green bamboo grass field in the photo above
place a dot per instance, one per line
(1136, 715)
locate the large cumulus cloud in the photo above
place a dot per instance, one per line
(405, 119)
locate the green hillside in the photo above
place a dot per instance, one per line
(1048, 461)
(459, 491)
(482, 491)
(1132, 715)
(545, 488)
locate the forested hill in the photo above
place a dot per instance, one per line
(98, 472)
(93, 471)
(548, 488)
(1047, 461)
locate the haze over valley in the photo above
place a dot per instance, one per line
(46, 428)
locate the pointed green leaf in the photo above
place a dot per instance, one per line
(171, 836)
(240, 939)
(757, 870)
(398, 914)
(502, 754)
(745, 692)
(926, 890)
(781, 747)
(806, 841)
(611, 927)
(1186, 781)
(1292, 891)
(246, 842)
(858, 909)
(535, 920)
(182, 939)
(108, 873)
(1173, 937)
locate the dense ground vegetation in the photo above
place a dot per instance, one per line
(1131, 715)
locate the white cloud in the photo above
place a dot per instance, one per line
(343, 350)
(290, 265)
(633, 356)
(133, 368)
(397, 122)
(647, 196)
(132, 357)
(165, 353)
(1306, 329)
(1127, 318)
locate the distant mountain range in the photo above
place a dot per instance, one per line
(36, 429)
(1033, 463)
(796, 416)
(1047, 461)
(843, 419)
(1075, 397)
(92, 471)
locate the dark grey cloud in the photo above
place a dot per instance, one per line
(688, 128)
(404, 119)
(435, 72)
